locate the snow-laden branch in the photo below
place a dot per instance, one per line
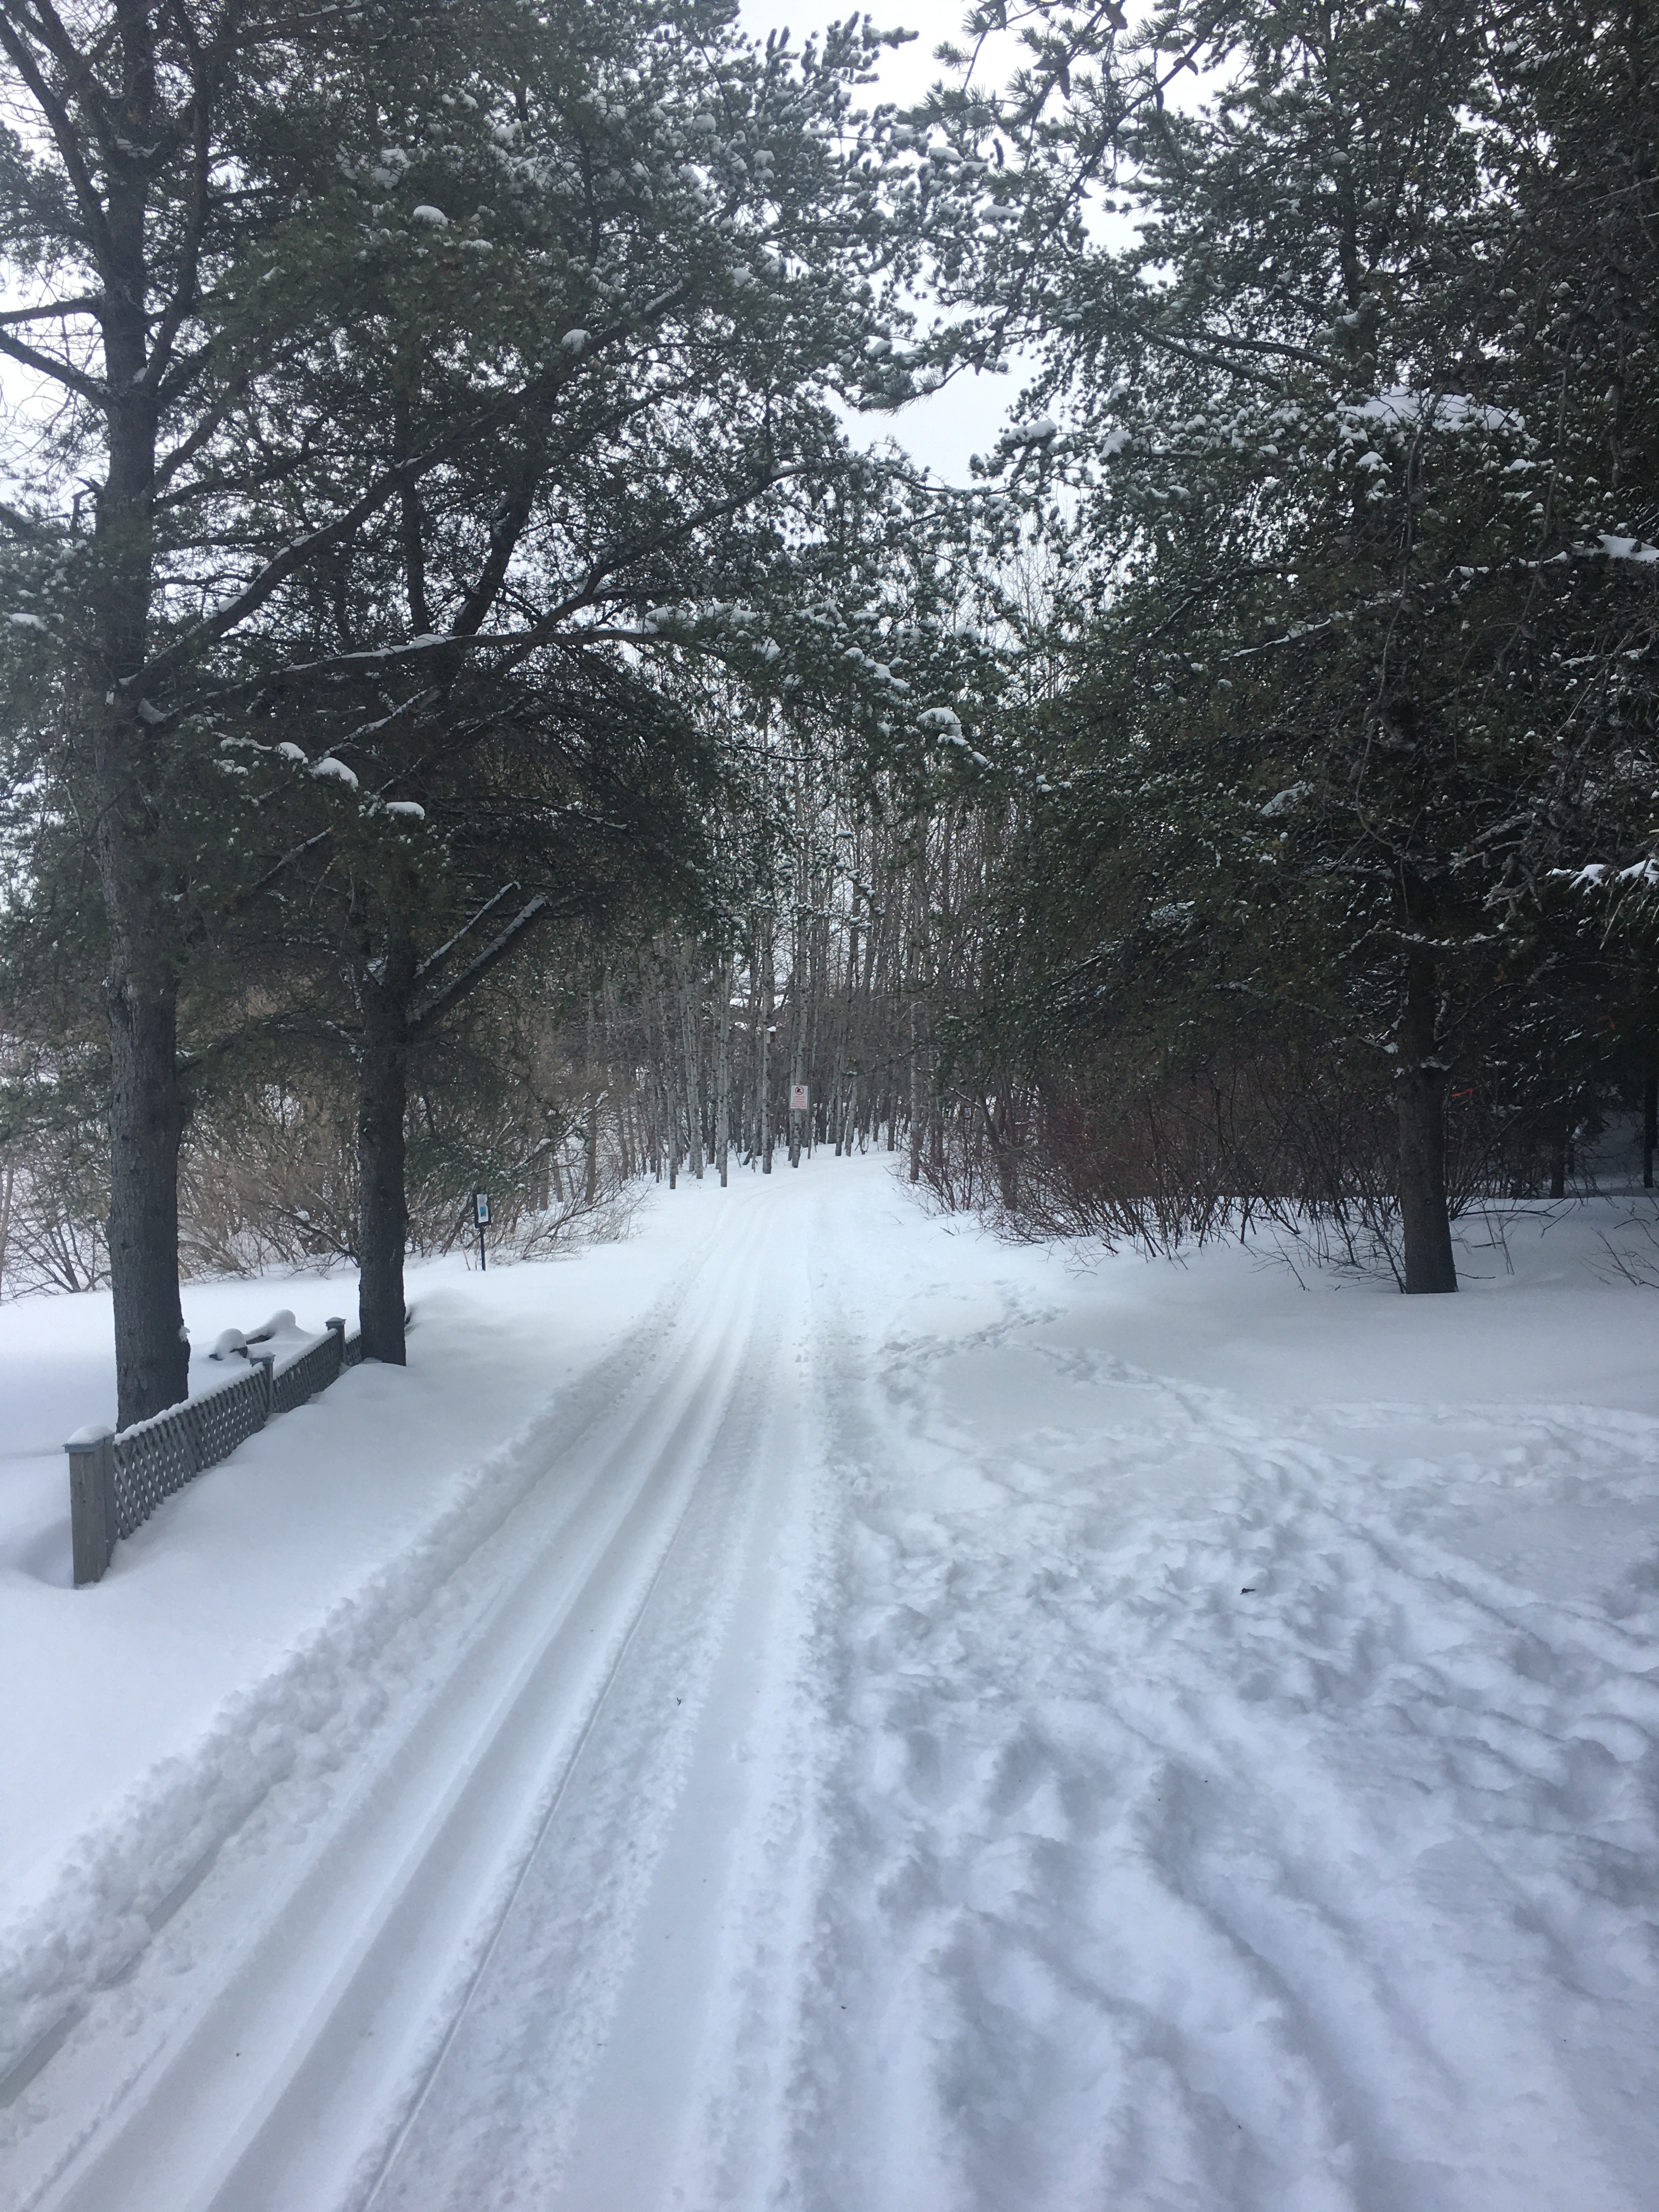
(436, 959)
(537, 909)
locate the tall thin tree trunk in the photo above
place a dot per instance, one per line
(755, 1083)
(1420, 1098)
(916, 1091)
(592, 1188)
(723, 1069)
(798, 960)
(768, 1000)
(1650, 1125)
(147, 1110)
(382, 1102)
(685, 971)
(797, 1066)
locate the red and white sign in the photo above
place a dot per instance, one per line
(798, 1101)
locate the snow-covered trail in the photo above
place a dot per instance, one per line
(925, 1732)
(268, 2045)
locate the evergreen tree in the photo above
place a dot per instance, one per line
(399, 346)
(1333, 581)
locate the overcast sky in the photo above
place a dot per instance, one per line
(945, 428)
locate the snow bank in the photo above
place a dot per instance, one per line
(1248, 1791)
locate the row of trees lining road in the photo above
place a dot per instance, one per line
(391, 367)
(1344, 450)
(448, 624)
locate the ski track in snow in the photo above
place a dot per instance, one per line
(843, 1764)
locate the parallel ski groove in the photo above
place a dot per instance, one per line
(552, 1638)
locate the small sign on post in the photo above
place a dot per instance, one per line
(481, 1215)
(799, 1100)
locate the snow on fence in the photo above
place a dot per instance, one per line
(118, 1479)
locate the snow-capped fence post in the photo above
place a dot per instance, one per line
(262, 1360)
(351, 1347)
(92, 1499)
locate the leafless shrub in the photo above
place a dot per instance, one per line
(1300, 1141)
(1637, 1261)
(53, 1176)
(51, 1237)
(268, 1173)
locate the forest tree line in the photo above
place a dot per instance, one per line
(478, 718)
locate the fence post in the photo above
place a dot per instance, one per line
(91, 1500)
(262, 1361)
(336, 1326)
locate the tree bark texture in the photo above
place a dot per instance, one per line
(382, 1204)
(1420, 1099)
(152, 1353)
(146, 1113)
(723, 1070)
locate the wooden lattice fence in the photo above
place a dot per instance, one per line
(118, 1479)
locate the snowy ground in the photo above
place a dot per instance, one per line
(813, 1708)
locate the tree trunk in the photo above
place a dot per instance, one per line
(919, 919)
(916, 1091)
(797, 1067)
(147, 1114)
(691, 1064)
(1421, 1101)
(1649, 1127)
(723, 1070)
(382, 1203)
(798, 982)
(591, 1192)
(152, 1353)
(767, 1001)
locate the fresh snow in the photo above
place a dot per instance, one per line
(1401, 406)
(814, 1707)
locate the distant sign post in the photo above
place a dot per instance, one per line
(481, 1215)
(799, 1100)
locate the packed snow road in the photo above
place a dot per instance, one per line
(917, 1727)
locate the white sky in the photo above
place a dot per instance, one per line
(943, 429)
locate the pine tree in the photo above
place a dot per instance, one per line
(405, 349)
(1318, 480)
